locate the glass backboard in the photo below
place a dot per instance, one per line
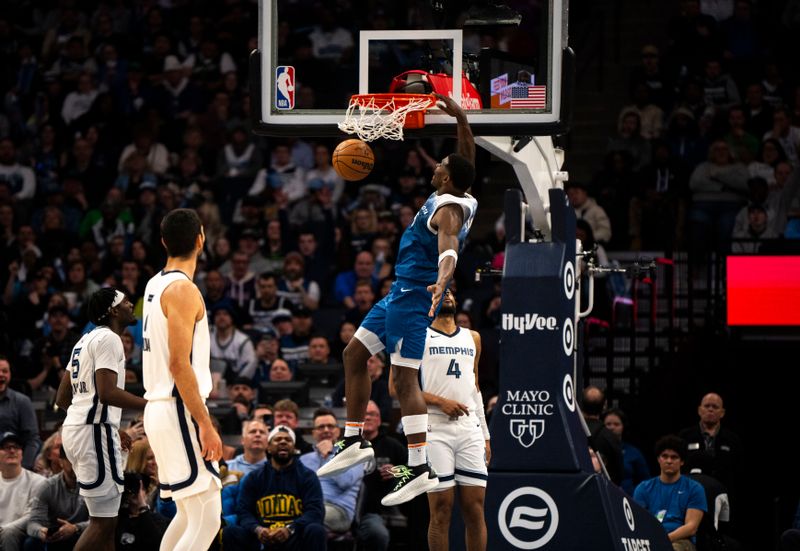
(508, 62)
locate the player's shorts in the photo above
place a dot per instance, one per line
(457, 451)
(175, 441)
(97, 459)
(398, 323)
(103, 506)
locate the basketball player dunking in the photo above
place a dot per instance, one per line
(458, 437)
(92, 392)
(177, 380)
(425, 264)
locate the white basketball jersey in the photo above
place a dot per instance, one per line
(100, 348)
(448, 367)
(158, 381)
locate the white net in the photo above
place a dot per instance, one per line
(370, 119)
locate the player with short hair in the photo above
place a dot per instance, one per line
(425, 264)
(177, 381)
(458, 437)
(92, 392)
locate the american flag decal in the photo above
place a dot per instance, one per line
(529, 97)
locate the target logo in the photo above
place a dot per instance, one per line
(628, 510)
(569, 280)
(568, 337)
(528, 518)
(569, 392)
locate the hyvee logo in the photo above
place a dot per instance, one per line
(533, 518)
(529, 322)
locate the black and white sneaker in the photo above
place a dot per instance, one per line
(349, 452)
(411, 482)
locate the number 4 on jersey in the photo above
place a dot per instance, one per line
(453, 369)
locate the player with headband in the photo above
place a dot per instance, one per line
(425, 265)
(92, 391)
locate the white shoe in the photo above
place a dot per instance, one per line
(350, 451)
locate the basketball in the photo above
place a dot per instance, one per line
(353, 160)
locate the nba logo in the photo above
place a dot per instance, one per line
(284, 87)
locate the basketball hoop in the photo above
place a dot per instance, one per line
(373, 116)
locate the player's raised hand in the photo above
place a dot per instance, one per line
(210, 443)
(436, 292)
(448, 105)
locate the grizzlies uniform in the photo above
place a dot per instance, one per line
(172, 432)
(456, 447)
(91, 429)
(399, 320)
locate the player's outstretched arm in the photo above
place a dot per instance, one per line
(466, 142)
(111, 395)
(183, 306)
(448, 221)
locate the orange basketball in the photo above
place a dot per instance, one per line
(353, 160)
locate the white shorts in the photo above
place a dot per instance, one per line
(97, 458)
(103, 506)
(174, 438)
(457, 451)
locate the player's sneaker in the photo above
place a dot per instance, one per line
(349, 452)
(411, 482)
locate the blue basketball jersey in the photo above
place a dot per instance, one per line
(418, 258)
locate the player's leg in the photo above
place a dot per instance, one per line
(176, 528)
(368, 340)
(441, 507)
(203, 512)
(471, 499)
(357, 384)
(471, 475)
(99, 535)
(414, 412)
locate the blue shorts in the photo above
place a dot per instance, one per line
(398, 323)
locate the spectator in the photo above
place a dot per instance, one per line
(280, 503)
(763, 166)
(145, 144)
(242, 395)
(294, 346)
(343, 336)
(629, 139)
(340, 492)
(286, 412)
(17, 489)
(282, 175)
(678, 502)
(52, 352)
(719, 89)
(743, 144)
(279, 371)
(325, 172)
(79, 102)
(364, 298)
(254, 443)
(650, 73)
(757, 112)
(787, 134)
(601, 439)
(232, 352)
(239, 157)
(267, 351)
(58, 513)
(650, 115)
(241, 284)
(724, 446)
(317, 259)
(635, 469)
(718, 188)
(139, 528)
(215, 295)
(18, 417)
(587, 208)
(345, 285)
(48, 462)
(294, 286)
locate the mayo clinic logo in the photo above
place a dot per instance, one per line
(528, 518)
(526, 431)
